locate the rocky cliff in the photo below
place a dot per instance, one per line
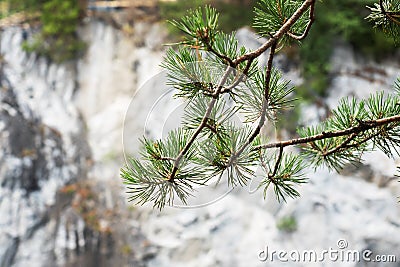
(62, 202)
(56, 209)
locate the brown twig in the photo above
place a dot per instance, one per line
(242, 75)
(367, 125)
(282, 31)
(200, 127)
(257, 130)
(223, 57)
(277, 163)
(341, 146)
(311, 20)
(387, 13)
(360, 142)
(166, 158)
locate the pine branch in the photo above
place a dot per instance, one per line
(279, 34)
(240, 79)
(389, 15)
(386, 15)
(201, 126)
(227, 59)
(257, 130)
(249, 56)
(341, 146)
(364, 126)
(287, 174)
(278, 163)
(311, 20)
(209, 145)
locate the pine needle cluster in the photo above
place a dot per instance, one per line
(386, 16)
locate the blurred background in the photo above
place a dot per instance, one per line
(69, 72)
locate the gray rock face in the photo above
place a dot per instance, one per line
(56, 210)
(62, 124)
(38, 148)
(37, 158)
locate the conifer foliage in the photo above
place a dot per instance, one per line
(220, 80)
(386, 16)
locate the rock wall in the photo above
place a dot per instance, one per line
(60, 205)
(42, 148)
(61, 198)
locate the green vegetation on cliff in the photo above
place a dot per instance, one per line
(57, 37)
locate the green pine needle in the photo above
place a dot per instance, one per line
(387, 18)
(200, 26)
(271, 15)
(288, 176)
(251, 95)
